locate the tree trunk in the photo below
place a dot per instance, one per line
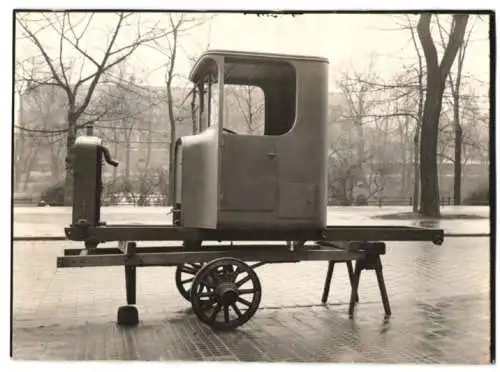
(455, 85)
(171, 158)
(27, 178)
(409, 173)
(429, 195)
(17, 178)
(148, 150)
(403, 166)
(173, 137)
(70, 153)
(127, 160)
(19, 167)
(360, 148)
(250, 112)
(418, 125)
(54, 167)
(457, 174)
(436, 77)
(416, 169)
(360, 153)
(31, 161)
(115, 155)
(403, 133)
(171, 116)
(457, 171)
(171, 171)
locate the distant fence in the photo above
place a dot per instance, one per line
(405, 201)
(25, 200)
(391, 201)
(155, 201)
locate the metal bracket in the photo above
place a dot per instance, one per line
(128, 248)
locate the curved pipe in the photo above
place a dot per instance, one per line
(107, 156)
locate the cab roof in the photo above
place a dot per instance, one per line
(241, 56)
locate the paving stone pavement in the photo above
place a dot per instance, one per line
(439, 297)
(48, 221)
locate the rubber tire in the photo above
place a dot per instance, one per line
(127, 316)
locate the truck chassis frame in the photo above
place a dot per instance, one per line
(219, 276)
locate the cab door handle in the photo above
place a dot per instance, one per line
(272, 155)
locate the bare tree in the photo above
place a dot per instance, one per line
(474, 129)
(172, 45)
(356, 93)
(128, 128)
(61, 68)
(250, 103)
(193, 93)
(396, 107)
(404, 131)
(344, 167)
(39, 109)
(25, 144)
(437, 73)
(418, 126)
(178, 24)
(373, 112)
(421, 88)
(25, 149)
(455, 83)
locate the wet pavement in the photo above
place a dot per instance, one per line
(439, 297)
(50, 221)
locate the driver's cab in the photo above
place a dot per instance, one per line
(228, 177)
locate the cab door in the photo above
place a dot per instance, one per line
(249, 173)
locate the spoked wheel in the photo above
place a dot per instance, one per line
(184, 276)
(225, 293)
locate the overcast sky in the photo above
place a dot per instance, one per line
(347, 40)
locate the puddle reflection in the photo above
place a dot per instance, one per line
(386, 325)
(435, 324)
(428, 224)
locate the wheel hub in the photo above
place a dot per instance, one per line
(227, 293)
(218, 277)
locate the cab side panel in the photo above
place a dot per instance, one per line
(199, 180)
(249, 174)
(303, 150)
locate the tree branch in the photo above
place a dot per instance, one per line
(456, 38)
(424, 34)
(100, 69)
(47, 59)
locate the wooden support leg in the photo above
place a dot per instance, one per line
(130, 284)
(328, 280)
(350, 271)
(381, 285)
(354, 290)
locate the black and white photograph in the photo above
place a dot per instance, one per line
(253, 185)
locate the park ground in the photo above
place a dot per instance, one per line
(440, 298)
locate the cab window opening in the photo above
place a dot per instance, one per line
(244, 109)
(260, 98)
(208, 99)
